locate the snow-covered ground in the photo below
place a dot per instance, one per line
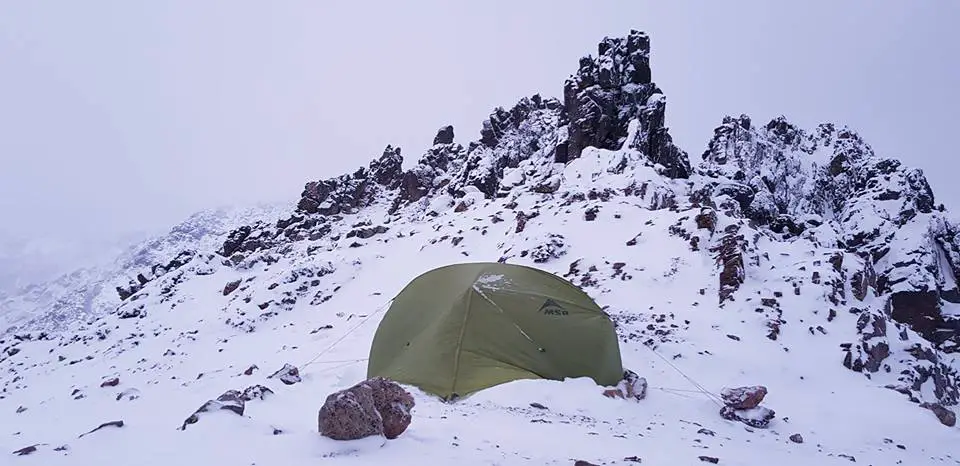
(181, 354)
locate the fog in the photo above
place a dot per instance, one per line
(127, 116)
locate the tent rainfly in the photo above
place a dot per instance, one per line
(462, 328)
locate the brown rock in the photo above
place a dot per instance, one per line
(394, 405)
(613, 393)
(743, 397)
(729, 257)
(376, 406)
(707, 219)
(230, 287)
(350, 415)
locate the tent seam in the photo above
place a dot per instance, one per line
(459, 348)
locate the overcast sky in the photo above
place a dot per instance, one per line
(117, 116)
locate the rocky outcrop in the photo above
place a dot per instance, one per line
(611, 90)
(728, 255)
(790, 181)
(157, 270)
(347, 193)
(526, 132)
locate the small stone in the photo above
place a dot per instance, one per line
(288, 374)
(111, 382)
(709, 459)
(130, 394)
(230, 400)
(118, 423)
(230, 287)
(255, 392)
(26, 450)
(796, 438)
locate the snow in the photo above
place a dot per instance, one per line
(949, 281)
(836, 411)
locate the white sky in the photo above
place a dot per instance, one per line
(117, 116)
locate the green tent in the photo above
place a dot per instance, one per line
(462, 328)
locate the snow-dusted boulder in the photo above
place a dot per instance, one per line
(370, 408)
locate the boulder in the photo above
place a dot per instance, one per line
(350, 415)
(376, 406)
(743, 397)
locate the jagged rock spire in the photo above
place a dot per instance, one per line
(608, 92)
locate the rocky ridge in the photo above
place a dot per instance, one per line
(893, 253)
(778, 213)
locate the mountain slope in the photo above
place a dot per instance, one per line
(798, 260)
(90, 291)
